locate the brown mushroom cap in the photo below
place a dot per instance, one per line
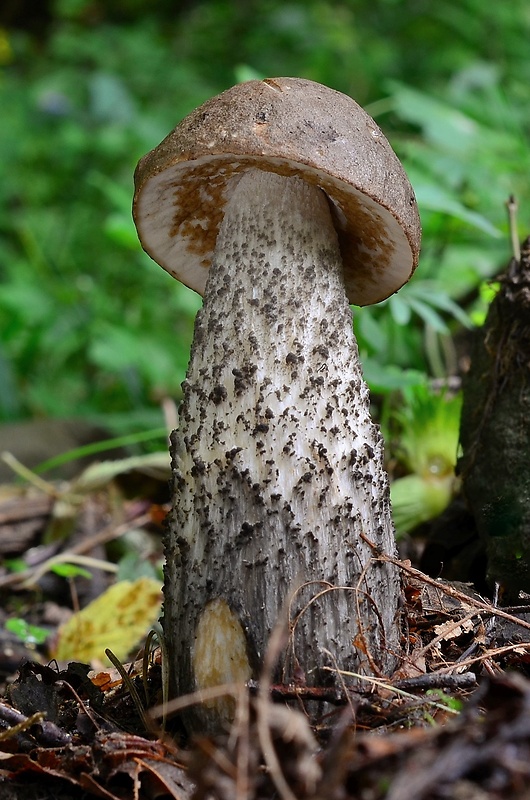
(290, 126)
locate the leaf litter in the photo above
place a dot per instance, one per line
(453, 721)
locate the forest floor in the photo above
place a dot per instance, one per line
(452, 722)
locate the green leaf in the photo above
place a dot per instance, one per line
(429, 426)
(433, 197)
(383, 378)
(98, 475)
(441, 300)
(244, 72)
(428, 314)
(452, 703)
(132, 566)
(15, 564)
(369, 329)
(95, 448)
(400, 309)
(120, 230)
(441, 123)
(416, 500)
(65, 570)
(110, 99)
(27, 633)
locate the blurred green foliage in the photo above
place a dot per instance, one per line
(88, 324)
(425, 432)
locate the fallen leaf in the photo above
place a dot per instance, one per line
(117, 620)
(449, 630)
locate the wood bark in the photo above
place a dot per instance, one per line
(495, 431)
(279, 486)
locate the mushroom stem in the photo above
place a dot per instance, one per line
(278, 468)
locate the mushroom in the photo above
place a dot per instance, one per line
(281, 202)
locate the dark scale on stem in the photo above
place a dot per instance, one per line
(218, 394)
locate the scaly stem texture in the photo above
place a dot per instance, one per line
(278, 468)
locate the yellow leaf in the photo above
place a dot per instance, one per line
(117, 619)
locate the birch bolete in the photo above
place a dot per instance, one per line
(280, 201)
